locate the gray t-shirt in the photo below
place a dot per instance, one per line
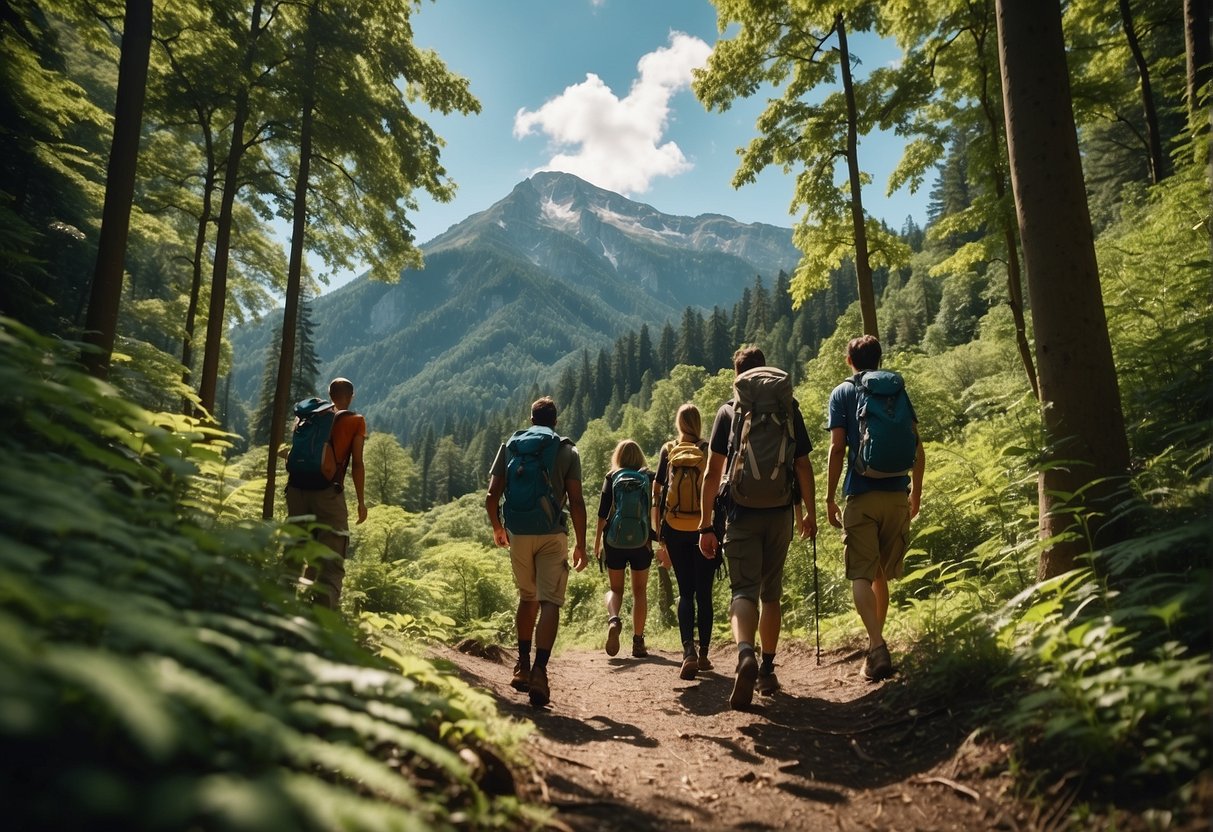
(566, 467)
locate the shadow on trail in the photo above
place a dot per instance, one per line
(862, 743)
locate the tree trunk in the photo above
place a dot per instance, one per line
(223, 231)
(294, 274)
(863, 268)
(1153, 135)
(1014, 272)
(101, 324)
(1200, 71)
(191, 315)
(1078, 389)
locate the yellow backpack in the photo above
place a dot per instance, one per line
(686, 463)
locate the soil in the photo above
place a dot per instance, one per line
(625, 744)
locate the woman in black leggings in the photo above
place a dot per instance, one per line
(676, 512)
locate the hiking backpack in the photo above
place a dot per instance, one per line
(888, 444)
(685, 464)
(311, 463)
(762, 440)
(631, 500)
(530, 505)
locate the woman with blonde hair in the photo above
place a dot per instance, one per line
(625, 535)
(676, 498)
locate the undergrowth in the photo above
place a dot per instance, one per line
(157, 674)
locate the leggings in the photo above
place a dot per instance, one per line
(694, 573)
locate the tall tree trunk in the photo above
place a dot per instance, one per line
(101, 323)
(863, 268)
(294, 274)
(1080, 401)
(223, 230)
(994, 117)
(191, 314)
(1153, 135)
(1200, 72)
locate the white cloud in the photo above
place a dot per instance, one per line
(616, 143)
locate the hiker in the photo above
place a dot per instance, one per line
(539, 474)
(624, 515)
(323, 497)
(879, 503)
(676, 512)
(761, 436)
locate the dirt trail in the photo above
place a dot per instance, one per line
(627, 745)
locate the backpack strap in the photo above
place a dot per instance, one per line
(342, 464)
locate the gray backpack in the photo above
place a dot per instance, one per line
(762, 441)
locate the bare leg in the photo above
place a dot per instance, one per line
(549, 623)
(744, 615)
(640, 600)
(769, 623)
(867, 605)
(614, 596)
(524, 619)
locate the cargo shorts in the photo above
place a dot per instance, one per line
(756, 544)
(541, 566)
(875, 534)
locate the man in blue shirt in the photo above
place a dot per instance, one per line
(876, 519)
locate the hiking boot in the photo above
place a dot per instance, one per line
(743, 685)
(538, 687)
(638, 648)
(705, 664)
(689, 664)
(878, 665)
(768, 683)
(613, 628)
(521, 678)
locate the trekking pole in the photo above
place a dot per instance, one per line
(816, 602)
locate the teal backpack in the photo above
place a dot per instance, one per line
(530, 505)
(631, 500)
(311, 463)
(887, 442)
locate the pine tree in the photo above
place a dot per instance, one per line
(667, 349)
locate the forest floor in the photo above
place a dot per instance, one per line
(625, 744)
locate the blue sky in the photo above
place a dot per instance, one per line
(600, 88)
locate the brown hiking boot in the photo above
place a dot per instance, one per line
(538, 687)
(705, 664)
(743, 685)
(638, 649)
(614, 625)
(878, 665)
(689, 664)
(521, 678)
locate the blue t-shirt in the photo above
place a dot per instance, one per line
(843, 412)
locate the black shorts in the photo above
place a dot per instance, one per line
(639, 559)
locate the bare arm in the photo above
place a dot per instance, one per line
(492, 502)
(572, 489)
(358, 475)
(838, 452)
(803, 468)
(920, 465)
(708, 544)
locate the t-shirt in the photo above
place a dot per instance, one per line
(566, 467)
(723, 427)
(843, 412)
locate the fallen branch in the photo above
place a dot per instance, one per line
(952, 784)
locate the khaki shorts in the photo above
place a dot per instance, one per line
(875, 534)
(541, 566)
(756, 544)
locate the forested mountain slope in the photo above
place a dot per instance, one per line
(557, 266)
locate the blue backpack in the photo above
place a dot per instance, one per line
(312, 462)
(530, 505)
(888, 444)
(631, 500)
